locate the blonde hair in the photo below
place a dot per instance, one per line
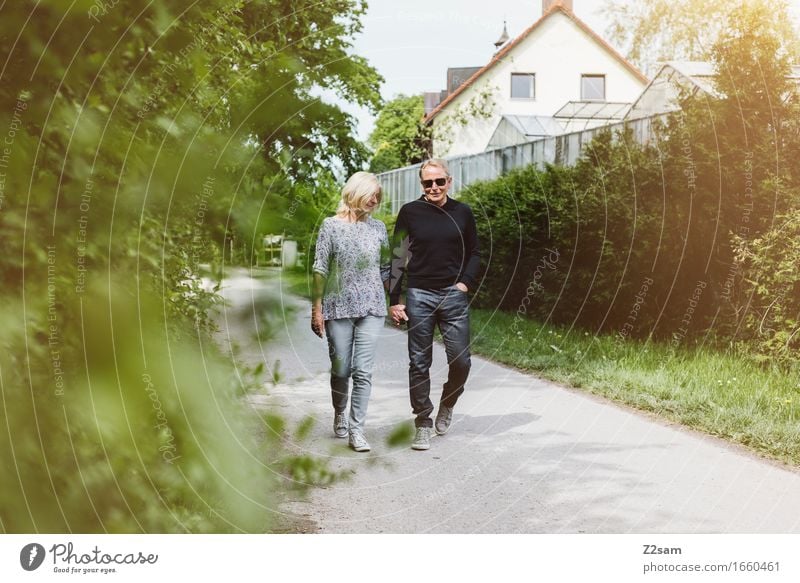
(358, 189)
(436, 162)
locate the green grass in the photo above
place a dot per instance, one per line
(296, 281)
(725, 395)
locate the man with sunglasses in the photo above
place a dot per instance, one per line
(436, 247)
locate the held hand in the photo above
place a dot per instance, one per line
(398, 313)
(317, 322)
(462, 287)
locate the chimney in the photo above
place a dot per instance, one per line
(549, 4)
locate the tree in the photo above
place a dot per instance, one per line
(666, 30)
(399, 137)
(136, 139)
(760, 116)
(291, 50)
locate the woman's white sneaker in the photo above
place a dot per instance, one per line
(357, 441)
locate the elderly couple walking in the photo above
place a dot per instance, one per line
(434, 248)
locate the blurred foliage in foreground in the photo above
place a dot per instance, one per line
(136, 144)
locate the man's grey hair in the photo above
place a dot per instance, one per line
(437, 162)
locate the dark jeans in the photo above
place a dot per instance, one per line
(449, 309)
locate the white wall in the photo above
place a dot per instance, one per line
(558, 52)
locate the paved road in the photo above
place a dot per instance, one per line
(523, 456)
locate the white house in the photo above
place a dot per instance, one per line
(557, 76)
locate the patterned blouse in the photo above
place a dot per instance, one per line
(354, 258)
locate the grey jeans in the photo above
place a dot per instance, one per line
(448, 309)
(351, 346)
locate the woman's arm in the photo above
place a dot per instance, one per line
(317, 291)
(320, 268)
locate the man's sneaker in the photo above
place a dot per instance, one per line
(422, 439)
(443, 419)
(340, 425)
(357, 441)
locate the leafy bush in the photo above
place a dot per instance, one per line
(768, 284)
(146, 142)
(574, 239)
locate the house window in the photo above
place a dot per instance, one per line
(593, 87)
(523, 86)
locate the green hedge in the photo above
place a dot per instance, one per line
(690, 238)
(639, 241)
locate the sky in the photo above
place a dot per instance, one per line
(413, 42)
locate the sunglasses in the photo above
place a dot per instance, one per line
(426, 184)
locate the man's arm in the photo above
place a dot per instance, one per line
(400, 256)
(473, 260)
(386, 259)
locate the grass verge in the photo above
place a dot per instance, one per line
(296, 281)
(721, 394)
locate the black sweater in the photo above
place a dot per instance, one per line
(435, 247)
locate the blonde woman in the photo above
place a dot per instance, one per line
(350, 268)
